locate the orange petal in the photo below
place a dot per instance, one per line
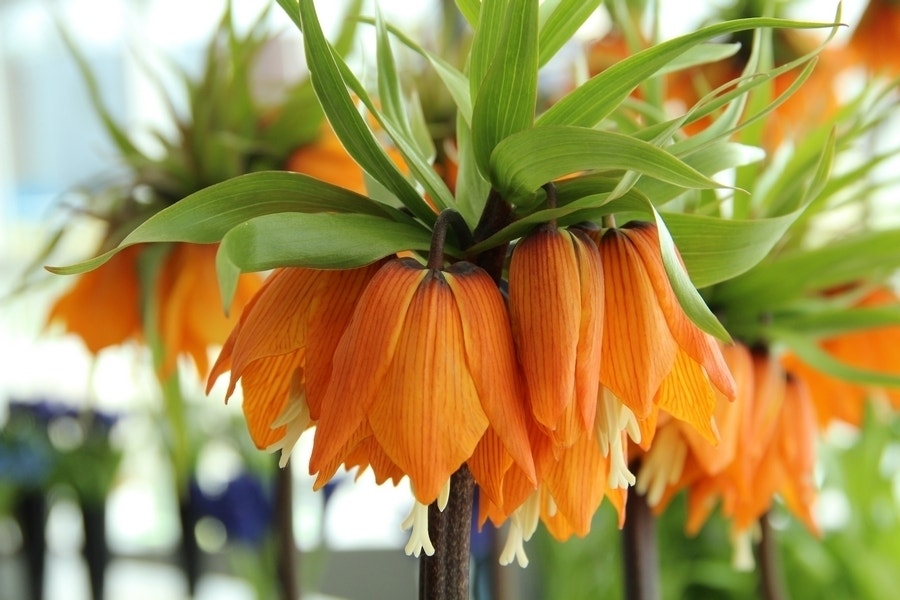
(699, 345)
(426, 413)
(545, 313)
(266, 384)
(328, 316)
(491, 359)
(638, 349)
(798, 450)
(103, 305)
(686, 394)
(577, 482)
(590, 335)
(363, 357)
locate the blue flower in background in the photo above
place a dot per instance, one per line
(244, 508)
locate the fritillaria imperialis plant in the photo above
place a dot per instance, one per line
(538, 330)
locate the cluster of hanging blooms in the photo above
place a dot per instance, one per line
(416, 370)
(561, 364)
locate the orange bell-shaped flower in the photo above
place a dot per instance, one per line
(556, 312)
(283, 346)
(427, 365)
(648, 338)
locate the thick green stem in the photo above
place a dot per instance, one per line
(640, 559)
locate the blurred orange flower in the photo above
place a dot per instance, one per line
(104, 307)
(873, 349)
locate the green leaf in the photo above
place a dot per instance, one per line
(457, 84)
(811, 353)
(827, 322)
(709, 160)
(701, 54)
(527, 160)
(470, 9)
(560, 19)
(591, 102)
(690, 300)
(871, 254)
(471, 188)
(715, 250)
(205, 217)
(348, 124)
(313, 240)
(506, 98)
(485, 41)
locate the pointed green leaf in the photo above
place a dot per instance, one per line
(788, 277)
(685, 290)
(560, 19)
(470, 9)
(485, 41)
(348, 124)
(827, 322)
(527, 160)
(591, 102)
(506, 99)
(206, 216)
(314, 240)
(716, 250)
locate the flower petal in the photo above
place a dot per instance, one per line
(426, 413)
(545, 313)
(491, 360)
(363, 357)
(638, 349)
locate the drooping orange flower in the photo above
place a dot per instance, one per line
(425, 366)
(556, 312)
(283, 345)
(769, 451)
(873, 349)
(104, 306)
(680, 456)
(647, 337)
(874, 39)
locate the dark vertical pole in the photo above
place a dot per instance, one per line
(288, 560)
(769, 570)
(190, 551)
(31, 512)
(96, 551)
(640, 558)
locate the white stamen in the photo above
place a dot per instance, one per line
(295, 418)
(742, 550)
(620, 476)
(662, 465)
(514, 548)
(612, 419)
(417, 520)
(444, 497)
(522, 525)
(552, 508)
